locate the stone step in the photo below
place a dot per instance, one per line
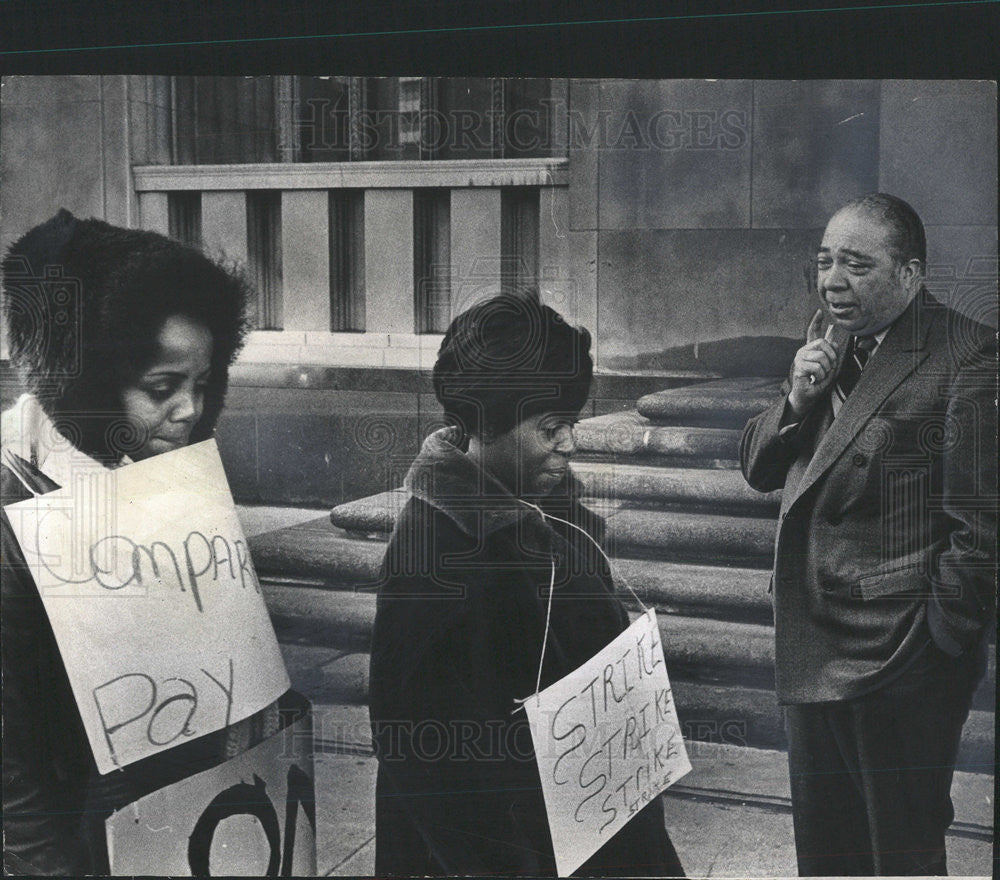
(746, 716)
(732, 714)
(722, 665)
(316, 552)
(373, 515)
(727, 403)
(626, 434)
(648, 486)
(668, 535)
(726, 593)
(698, 650)
(688, 537)
(339, 620)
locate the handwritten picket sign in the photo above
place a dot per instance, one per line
(607, 741)
(154, 603)
(253, 816)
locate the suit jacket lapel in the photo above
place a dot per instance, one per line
(901, 352)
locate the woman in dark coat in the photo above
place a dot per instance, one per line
(124, 339)
(462, 609)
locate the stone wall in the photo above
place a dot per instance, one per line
(705, 199)
(680, 241)
(321, 436)
(70, 142)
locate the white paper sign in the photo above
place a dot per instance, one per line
(607, 741)
(146, 577)
(253, 816)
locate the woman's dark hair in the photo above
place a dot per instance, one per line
(84, 303)
(508, 358)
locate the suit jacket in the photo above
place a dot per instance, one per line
(887, 530)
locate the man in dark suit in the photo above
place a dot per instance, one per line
(884, 443)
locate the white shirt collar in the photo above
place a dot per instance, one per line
(878, 337)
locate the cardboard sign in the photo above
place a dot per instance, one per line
(607, 741)
(252, 816)
(154, 603)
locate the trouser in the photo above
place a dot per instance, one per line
(871, 777)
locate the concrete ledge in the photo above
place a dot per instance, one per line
(720, 489)
(669, 534)
(375, 514)
(317, 553)
(696, 648)
(724, 403)
(607, 385)
(259, 519)
(405, 174)
(697, 537)
(628, 433)
(315, 550)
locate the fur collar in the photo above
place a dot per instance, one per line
(446, 479)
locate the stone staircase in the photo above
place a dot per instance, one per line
(684, 530)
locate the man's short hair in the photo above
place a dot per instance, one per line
(907, 239)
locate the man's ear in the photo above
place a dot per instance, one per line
(911, 274)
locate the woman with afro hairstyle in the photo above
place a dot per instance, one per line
(123, 339)
(490, 531)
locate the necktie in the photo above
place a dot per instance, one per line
(850, 371)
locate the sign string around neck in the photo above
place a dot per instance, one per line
(552, 584)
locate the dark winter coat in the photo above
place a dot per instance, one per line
(54, 800)
(457, 640)
(46, 756)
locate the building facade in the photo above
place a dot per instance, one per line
(674, 219)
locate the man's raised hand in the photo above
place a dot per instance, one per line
(814, 367)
